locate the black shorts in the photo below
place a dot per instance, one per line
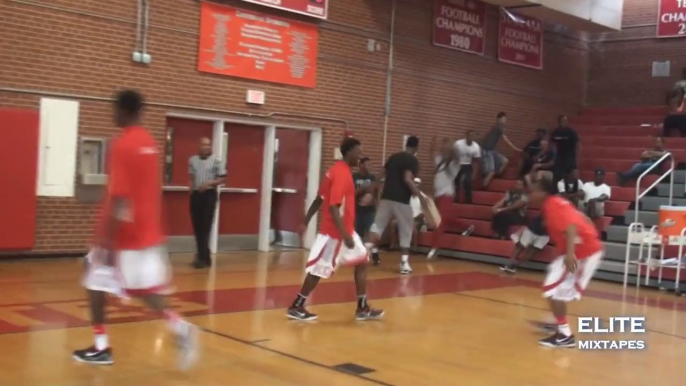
(364, 221)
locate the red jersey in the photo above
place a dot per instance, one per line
(135, 176)
(338, 188)
(559, 214)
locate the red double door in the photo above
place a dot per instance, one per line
(240, 198)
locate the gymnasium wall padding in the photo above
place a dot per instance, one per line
(18, 173)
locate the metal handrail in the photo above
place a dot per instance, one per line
(640, 195)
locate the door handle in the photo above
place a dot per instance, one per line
(237, 190)
(284, 190)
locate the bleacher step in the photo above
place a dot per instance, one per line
(645, 217)
(617, 233)
(679, 189)
(653, 203)
(617, 251)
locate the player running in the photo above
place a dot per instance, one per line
(337, 243)
(130, 241)
(581, 252)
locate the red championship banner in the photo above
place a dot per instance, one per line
(460, 25)
(671, 19)
(257, 46)
(520, 40)
(314, 8)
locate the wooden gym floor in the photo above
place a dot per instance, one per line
(450, 323)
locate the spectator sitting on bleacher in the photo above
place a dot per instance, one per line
(595, 195)
(543, 164)
(509, 211)
(648, 159)
(530, 152)
(572, 188)
(531, 240)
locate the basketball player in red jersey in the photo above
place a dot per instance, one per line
(130, 236)
(337, 243)
(581, 251)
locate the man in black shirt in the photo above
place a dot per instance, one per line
(567, 144)
(399, 187)
(365, 205)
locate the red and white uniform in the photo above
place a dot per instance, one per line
(141, 259)
(559, 284)
(329, 251)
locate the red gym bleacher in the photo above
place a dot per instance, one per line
(612, 139)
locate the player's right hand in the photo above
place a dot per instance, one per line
(570, 263)
(349, 242)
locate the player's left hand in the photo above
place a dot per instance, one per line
(349, 242)
(570, 263)
(302, 229)
(367, 199)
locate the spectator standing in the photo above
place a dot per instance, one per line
(596, 193)
(206, 173)
(572, 188)
(467, 149)
(676, 118)
(399, 187)
(567, 147)
(648, 159)
(492, 162)
(365, 196)
(509, 211)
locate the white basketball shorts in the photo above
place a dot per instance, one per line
(135, 272)
(327, 254)
(526, 237)
(561, 285)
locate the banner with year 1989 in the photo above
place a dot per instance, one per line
(460, 25)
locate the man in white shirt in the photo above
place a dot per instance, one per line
(572, 188)
(467, 149)
(445, 172)
(596, 193)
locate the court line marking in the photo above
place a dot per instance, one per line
(546, 309)
(294, 357)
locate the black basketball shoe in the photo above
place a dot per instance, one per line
(93, 356)
(368, 313)
(558, 340)
(300, 313)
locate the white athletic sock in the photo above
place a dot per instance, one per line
(100, 334)
(375, 250)
(369, 246)
(564, 329)
(405, 259)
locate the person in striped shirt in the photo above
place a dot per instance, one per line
(206, 173)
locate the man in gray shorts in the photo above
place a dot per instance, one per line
(398, 189)
(492, 162)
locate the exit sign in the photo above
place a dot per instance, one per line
(314, 8)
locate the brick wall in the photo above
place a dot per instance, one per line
(621, 63)
(82, 47)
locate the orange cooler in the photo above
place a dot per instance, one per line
(671, 221)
